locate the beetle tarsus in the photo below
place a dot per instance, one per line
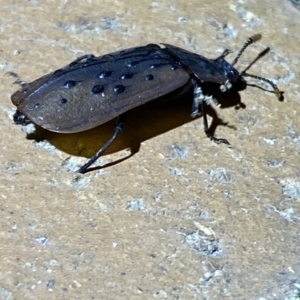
(18, 80)
(217, 140)
(117, 131)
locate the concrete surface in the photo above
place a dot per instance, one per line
(183, 218)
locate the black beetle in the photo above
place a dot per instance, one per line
(93, 90)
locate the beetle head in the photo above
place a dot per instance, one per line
(233, 75)
(226, 68)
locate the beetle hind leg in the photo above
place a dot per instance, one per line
(117, 131)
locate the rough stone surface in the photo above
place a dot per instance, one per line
(183, 218)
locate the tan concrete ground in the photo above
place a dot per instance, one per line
(183, 218)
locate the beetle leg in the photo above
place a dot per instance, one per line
(117, 131)
(205, 125)
(203, 100)
(204, 116)
(226, 86)
(18, 80)
(199, 98)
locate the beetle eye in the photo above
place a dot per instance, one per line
(232, 75)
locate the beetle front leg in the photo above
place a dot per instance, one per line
(199, 98)
(205, 125)
(203, 100)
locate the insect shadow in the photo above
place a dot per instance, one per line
(143, 123)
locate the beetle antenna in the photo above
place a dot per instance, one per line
(259, 56)
(276, 91)
(249, 41)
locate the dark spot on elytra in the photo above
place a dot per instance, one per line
(118, 89)
(97, 89)
(105, 74)
(126, 76)
(63, 101)
(149, 77)
(69, 84)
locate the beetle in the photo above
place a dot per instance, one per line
(93, 90)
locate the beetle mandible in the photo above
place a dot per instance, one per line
(93, 90)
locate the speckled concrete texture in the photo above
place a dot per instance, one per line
(182, 218)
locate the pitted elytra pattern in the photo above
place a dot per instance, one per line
(97, 89)
(93, 90)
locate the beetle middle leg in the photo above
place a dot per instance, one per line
(117, 131)
(203, 100)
